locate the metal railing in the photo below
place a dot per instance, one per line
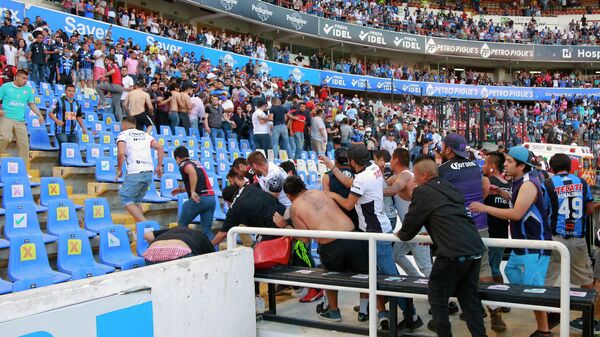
(565, 269)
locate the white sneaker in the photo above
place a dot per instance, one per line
(300, 293)
(260, 305)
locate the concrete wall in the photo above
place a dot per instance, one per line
(200, 296)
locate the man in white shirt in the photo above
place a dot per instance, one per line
(270, 176)
(318, 133)
(127, 85)
(10, 51)
(136, 147)
(388, 143)
(261, 127)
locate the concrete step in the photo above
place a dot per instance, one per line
(77, 177)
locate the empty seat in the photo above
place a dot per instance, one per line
(207, 143)
(75, 257)
(28, 261)
(40, 140)
(153, 196)
(14, 167)
(244, 144)
(214, 182)
(21, 219)
(283, 155)
(53, 188)
(170, 167)
(219, 214)
(222, 155)
(206, 153)
(313, 181)
(194, 132)
(208, 164)
(180, 132)
(106, 170)
(181, 199)
(115, 250)
(167, 183)
(223, 166)
(62, 218)
(17, 190)
(219, 144)
(232, 145)
(165, 130)
(97, 214)
(70, 155)
(140, 229)
(106, 139)
(93, 152)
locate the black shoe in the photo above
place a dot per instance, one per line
(452, 308)
(538, 333)
(356, 308)
(431, 326)
(464, 318)
(363, 317)
(321, 308)
(412, 325)
(384, 320)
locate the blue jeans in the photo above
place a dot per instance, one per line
(134, 187)
(299, 143)
(263, 141)
(214, 134)
(281, 132)
(37, 73)
(205, 208)
(67, 138)
(495, 258)
(173, 120)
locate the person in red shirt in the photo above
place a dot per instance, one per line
(324, 92)
(7, 72)
(115, 87)
(298, 123)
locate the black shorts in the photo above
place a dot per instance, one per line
(351, 256)
(142, 120)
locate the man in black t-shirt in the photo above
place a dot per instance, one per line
(37, 55)
(251, 206)
(280, 130)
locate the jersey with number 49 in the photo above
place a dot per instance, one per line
(568, 196)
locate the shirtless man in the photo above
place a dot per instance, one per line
(173, 106)
(139, 105)
(313, 210)
(401, 187)
(185, 104)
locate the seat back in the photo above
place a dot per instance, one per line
(214, 182)
(52, 188)
(62, 217)
(21, 219)
(39, 139)
(74, 249)
(244, 144)
(27, 256)
(140, 229)
(16, 190)
(222, 155)
(165, 130)
(167, 183)
(170, 167)
(106, 169)
(207, 143)
(106, 139)
(114, 243)
(180, 132)
(93, 152)
(283, 155)
(70, 154)
(163, 140)
(97, 214)
(232, 145)
(84, 139)
(108, 121)
(12, 167)
(220, 144)
(223, 166)
(206, 153)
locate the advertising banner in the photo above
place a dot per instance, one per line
(16, 9)
(368, 36)
(479, 49)
(567, 53)
(268, 14)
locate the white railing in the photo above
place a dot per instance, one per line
(565, 269)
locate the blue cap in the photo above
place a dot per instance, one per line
(520, 153)
(457, 143)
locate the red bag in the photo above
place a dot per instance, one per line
(272, 252)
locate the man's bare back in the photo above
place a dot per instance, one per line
(313, 210)
(174, 101)
(407, 180)
(138, 101)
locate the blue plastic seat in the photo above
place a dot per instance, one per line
(165, 130)
(219, 214)
(97, 214)
(283, 155)
(167, 183)
(214, 182)
(153, 196)
(5, 287)
(303, 176)
(14, 167)
(106, 139)
(4, 243)
(140, 229)
(244, 144)
(223, 166)
(207, 143)
(235, 154)
(170, 167)
(107, 121)
(53, 188)
(206, 153)
(221, 154)
(115, 250)
(18, 190)
(194, 132)
(40, 140)
(84, 139)
(192, 143)
(70, 155)
(164, 140)
(106, 170)
(313, 181)
(21, 219)
(113, 152)
(180, 132)
(304, 155)
(93, 152)
(177, 141)
(312, 155)
(62, 218)
(115, 129)
(220, 144)
(86, 106)
(75, 257)
(181, 199)
(208, 164)
(246, 153)
(40, 101)
(28, 260)
(232, 145)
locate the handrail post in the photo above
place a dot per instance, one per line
(232, 238)
(373, 321)
(565, 288)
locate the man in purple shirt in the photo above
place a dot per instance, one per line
(468, 178)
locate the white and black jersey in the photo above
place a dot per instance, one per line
(368, 186)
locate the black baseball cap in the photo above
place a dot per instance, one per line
(359, 154)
